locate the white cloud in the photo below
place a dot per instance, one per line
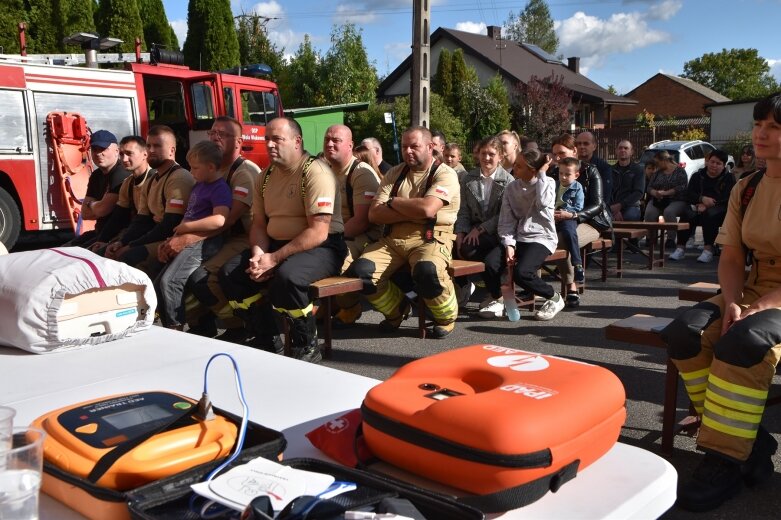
(595, 39)
(354, 14)
(664, 10)
(397, 52)
(270, 9)
(472, 27)
(180, 29)
(775, 68)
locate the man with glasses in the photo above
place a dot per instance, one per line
(241, 174)
(586, 145)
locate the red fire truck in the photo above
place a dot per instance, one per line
(125, 102)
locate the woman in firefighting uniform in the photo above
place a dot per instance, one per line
(727, 348)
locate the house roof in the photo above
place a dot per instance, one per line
(690, 84)
(516, 63)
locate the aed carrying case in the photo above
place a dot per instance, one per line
(68, 297)
(101, 503)
(172, 498)
(503, 424)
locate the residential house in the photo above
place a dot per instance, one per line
(516, 63)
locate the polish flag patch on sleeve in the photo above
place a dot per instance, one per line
(239, 191)
(176, 203)
(325, 202)
(440, 190)
(369, 195)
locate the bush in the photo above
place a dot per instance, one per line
(690, 134)
(734, 145)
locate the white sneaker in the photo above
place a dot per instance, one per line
(706, 257)
(690, 243)
(463, 293)
(492, 309)
(550, 308)
(678, 254)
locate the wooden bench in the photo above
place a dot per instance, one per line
(600, 244)
(623, 235)
(657, 231)
(698, 292)
(326, 290)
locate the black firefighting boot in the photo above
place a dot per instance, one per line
(261, 327)
(303, 338)
(715, 480)
(758, 468)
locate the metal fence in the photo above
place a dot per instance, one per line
(641, 138)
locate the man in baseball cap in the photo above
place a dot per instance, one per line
(104, 183)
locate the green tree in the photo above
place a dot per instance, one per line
(301, 82)
(73, 16)
(120, 19)
(541, 108)
(442, 82)
(500, 118)
(533, 25)
(735, 73)
(156, 27)
(11, 14)
(442, 118)
(211, 36)
(255, 47)
(348, 74)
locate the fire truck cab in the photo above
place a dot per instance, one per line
(125, 102)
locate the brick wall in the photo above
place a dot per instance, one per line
(662, 97)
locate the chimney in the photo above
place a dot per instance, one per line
(494, 32)
(573, 64)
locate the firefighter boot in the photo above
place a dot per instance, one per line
(758, 468)
(392, 323)
(261, 327)
(303, 338)
(715, 480)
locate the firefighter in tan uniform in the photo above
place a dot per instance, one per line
(727, 348)
(296, 238)
(162, 207)
(418, 203)
(132, 153)
(358, 184)
(241, 174)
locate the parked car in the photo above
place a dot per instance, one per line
(690, 155)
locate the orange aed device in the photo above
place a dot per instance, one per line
(156, 435)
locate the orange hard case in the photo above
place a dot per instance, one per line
(489, 420)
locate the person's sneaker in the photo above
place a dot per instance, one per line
(690, 243)
(310, 354)
(492, 308)
(347, 317)
(714, 481)
(678, 254)
(206, 327)
(758, 468)
(272, 344)
(440, 331)
(234, 335)
(392, 324)
(464, 292)
(573, 300)
(550, 308)
(580, 274)
(705, 257)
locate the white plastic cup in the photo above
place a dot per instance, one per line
(21, 469)
(661, 219)
(6, 426)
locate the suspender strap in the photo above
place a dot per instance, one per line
(305, 171)
(745, 199)
(235, 166)
(349, 188)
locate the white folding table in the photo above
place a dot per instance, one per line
(294, 398)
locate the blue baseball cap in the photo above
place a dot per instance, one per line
(102, 139)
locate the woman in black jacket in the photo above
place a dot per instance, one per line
(592, 220)
(708, 193)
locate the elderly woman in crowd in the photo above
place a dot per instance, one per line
(592, 220)
(727, 348)
(708, 193)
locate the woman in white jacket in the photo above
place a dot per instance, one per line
(527, 232)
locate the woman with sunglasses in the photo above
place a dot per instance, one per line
(746, 162)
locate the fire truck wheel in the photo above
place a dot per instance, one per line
(10, 220)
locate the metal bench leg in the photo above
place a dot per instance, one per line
(421, 318)
(670, 406)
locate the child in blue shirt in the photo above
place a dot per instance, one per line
(570, 198)
(208, 207)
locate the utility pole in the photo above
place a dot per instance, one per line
(420, 87)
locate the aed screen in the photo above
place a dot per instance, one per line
(443, 394)
(136, 416)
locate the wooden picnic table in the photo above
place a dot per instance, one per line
(657, 231)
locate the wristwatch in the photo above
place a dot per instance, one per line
(390, 202)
